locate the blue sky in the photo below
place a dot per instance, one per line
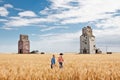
(55, 25)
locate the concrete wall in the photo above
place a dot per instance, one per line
(92, 45)
(84, 44)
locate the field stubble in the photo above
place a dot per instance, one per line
(76, 67)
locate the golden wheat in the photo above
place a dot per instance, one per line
(76, 67)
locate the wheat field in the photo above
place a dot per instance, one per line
(75, 67)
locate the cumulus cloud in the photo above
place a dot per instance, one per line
(25, 18)
(61, 3)
(75, 11)
(85, 11)
(11, 6)
(15, 22)
(8, 6)
(3, 12)
(27, 14)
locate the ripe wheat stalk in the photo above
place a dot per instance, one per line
(76, 67)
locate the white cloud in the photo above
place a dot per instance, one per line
(85, 11)
(8, 6)
(11, 6)
(45, 11)
(15, 22)
(112, 22)
(60, 3)
(3, 12)
(27, 14)
(53, 27)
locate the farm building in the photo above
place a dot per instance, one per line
(23, 44)
(87, 42)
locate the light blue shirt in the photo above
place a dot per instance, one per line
(53, 60)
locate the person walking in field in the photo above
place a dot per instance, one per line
(52, 61)
(60, 60)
